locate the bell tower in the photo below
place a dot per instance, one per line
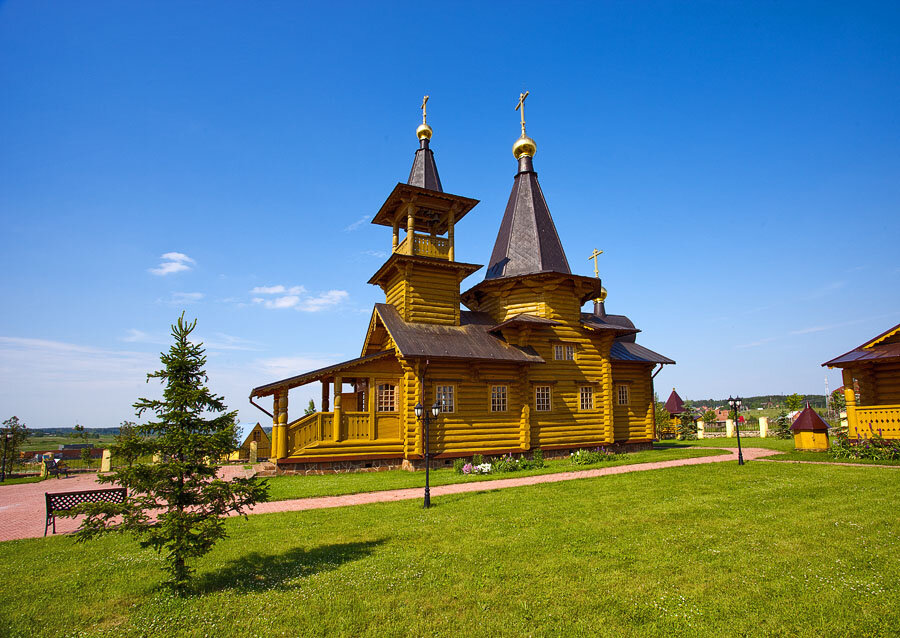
(421, 278)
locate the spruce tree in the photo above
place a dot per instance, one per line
(176, 504)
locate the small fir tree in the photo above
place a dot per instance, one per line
(177, 506)
(86, 456)
(18, 432)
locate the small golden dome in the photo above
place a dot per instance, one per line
(424, 132)
(524, 146)
(602, 296)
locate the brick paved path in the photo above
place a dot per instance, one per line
(22, 506)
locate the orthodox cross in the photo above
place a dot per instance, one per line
(424, 102)
(521, 105)
(594, 256)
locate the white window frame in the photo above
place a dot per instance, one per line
(563, 352)
(499, 398)
(539, 398)
(445, 395)
(386, 397)
(586, 392)
(623, 391)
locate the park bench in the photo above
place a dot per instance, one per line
(65, 501)
(57, 467)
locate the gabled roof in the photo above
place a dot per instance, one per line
(885, 346)
(315, 375)
(470, 340)
(527, 241)
(674, 404)
(424, 173)
(629, 351)
(464, 268)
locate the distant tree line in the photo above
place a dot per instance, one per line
(762, 401)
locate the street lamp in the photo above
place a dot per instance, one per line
(735, 403)
(6, 436)
(423, 415)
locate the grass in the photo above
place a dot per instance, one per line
(37, 443)
(20, 480)
(783, 445)
(289, 487)
(764, 549)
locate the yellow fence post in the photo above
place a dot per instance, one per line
(106, 461)
(729, 428)
(763, 426)
(701, 429)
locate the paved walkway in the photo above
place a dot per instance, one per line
(22, 507)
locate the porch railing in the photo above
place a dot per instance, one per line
(355, 426)
(427, 246)
(877, 419)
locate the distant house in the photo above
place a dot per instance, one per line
(263, 443)
(722, 416)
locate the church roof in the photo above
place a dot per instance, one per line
(315, 375)
(525, 319)
(424, 173)
(469, 340)
(527, 241)
(629, 351)
(674, 404)
(622, 325)
(437, 204)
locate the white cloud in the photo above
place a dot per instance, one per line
(186, 297)
(281, 367)
(355, 225)
(172, 263)
(754, 344)
(296, 297)
(136, 336)
(380, 254)
(325, 300)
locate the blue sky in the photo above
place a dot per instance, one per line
(737, 162)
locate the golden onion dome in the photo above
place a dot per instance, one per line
(524, 146)
(602, 296)
(424, 132)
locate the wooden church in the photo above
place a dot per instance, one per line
(523, 368)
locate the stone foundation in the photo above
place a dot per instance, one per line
(339, 467)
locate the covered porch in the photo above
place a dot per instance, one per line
(359, 413)
(871, 377)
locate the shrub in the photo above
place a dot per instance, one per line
(782, 427)
(589, 457)
(477, 459)
(875, 448)
(458, 465)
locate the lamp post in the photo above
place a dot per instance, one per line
(735, 403)
(6, 436)
(426, 416)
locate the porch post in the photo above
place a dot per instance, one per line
(282, 416)
(850, 399)
(370, 391)
(410, 229)
(325, 405)
(396, 238)
(336, 427)
(451, 218)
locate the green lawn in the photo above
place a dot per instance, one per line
(36, 443)
(20, 480)
(764, 549)
(289, 487)
(784, 445)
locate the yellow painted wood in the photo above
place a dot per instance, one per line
(811, 441)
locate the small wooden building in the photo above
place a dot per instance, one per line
(810, 431)
(675, 408)
(263, 444)
(523, 368)
(874, 368)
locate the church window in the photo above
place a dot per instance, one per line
(542, 398)
(387, 398)
(444, 395)
(623, 395)
(256, 435)
(498, 398)
(587, 397)
(564, 353)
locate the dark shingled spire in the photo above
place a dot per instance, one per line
(527, 242)
(674, 405)
(424, 173)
